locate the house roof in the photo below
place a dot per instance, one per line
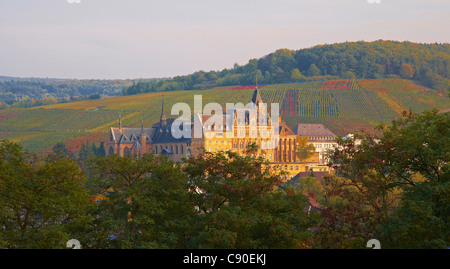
(303, 129)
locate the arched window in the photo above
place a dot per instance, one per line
(176, 149)
(126, 151)
(182, 149)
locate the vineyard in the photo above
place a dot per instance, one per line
(343, 105)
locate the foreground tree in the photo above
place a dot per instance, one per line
(395, 188)
(43, 205)
(141, 203)
(240, 204)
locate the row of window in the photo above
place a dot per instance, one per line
(321, 138)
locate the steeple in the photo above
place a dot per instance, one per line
(120, 122)
(163, 120)
(256, 99)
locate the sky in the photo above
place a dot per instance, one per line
(129, 39)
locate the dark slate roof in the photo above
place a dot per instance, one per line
(256, 98)
(313, 130)
(126, 135)
(164, 134)
(137, 145)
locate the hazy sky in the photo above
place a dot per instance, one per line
(108, 39)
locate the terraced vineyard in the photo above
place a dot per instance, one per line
(344, 106)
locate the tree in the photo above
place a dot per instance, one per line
(141, 203)
(313, 71)
(406, 71)
(43, 204)
(296, 75)
(392, 187)
(241, 205)
(304, 148)
(60, 149)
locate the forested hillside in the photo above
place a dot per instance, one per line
(28, 92)
(426, 64)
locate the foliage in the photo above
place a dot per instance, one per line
(141, 203)
(241, 205)
(424, 63)
(43, 204)
(304, 148)
(394, 188)
(38, 92)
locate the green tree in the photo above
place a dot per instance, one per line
(241, 205)
(60, 149)
(392, 187)
(313, 71)
(43, 204)
(296, 75)
(141, 203)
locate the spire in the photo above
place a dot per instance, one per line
(142, 126)
(163, 120)
(120, 121)
(256, 99)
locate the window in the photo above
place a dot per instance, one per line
(182, 149)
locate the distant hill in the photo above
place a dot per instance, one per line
(427, 64)
(27, 92)
(345, 106)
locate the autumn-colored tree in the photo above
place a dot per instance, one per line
(406, 71)
(304, 148)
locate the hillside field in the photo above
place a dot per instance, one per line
(344, 106)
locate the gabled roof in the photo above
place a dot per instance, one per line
(256, 98)
(124, 139)
(303, 129)
(284, 129)
(129, 133)
(137, 145)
